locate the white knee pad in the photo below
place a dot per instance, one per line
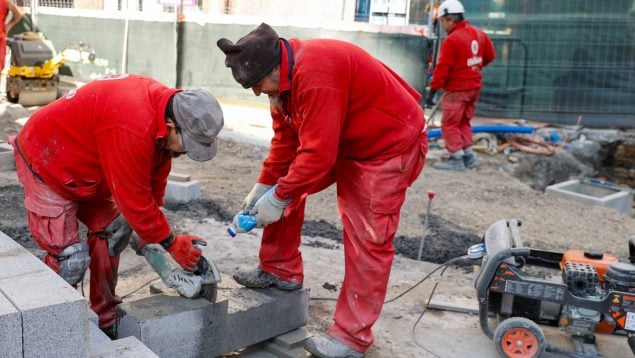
(74, 261)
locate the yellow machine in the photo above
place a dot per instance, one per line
(32, 79)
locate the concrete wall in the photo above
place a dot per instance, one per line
(151, 49)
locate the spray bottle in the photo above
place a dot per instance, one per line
(243, 221)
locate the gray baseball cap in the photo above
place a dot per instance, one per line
(200, 119)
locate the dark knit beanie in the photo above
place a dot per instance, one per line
(253, 56)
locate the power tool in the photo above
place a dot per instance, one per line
(594, 293)
(200, 283)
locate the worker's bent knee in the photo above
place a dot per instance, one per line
(74, 261)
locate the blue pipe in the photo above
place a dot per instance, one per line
(488, 128)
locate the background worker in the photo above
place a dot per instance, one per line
(339, 116)
(7, 7)
(101, 155)
(464, 52)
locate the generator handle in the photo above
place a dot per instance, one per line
(483, 280)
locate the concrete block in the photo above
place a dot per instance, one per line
(96, 337)
(54, 314)
(182, 191)
(15, 260)
(92, 317)
(292, 339)
(258, 354)
(10, 329)
(7, 160)
(120, 348)
(179, 177)
(594, 193)
(175, 326)
(258, 315)
(205, 329)
(284, 352)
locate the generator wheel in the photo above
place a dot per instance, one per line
(519, 337)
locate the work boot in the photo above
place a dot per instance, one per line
(453, 163)
(111, 331)
(257, 278)
(325, 346)
(469, 161)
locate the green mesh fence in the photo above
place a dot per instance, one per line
(558, 60)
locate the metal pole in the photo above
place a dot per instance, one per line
(124, 48)
(431, 195)
(180, 29)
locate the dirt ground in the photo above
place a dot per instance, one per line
(465, 205)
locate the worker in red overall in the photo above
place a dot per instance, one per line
(101, 155)
(339, 116)
(464, 52)
(7, 7)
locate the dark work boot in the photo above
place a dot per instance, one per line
(453, 163)
(257, 278)
(111, 331)
(469, 161)
(325, 346)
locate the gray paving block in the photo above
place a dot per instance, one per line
(96, 337)
(15, 260)
(10, 329)
(258, 315)
(126, 347)
(182, 192)
(175, 326)
(292, 339)
(7, 160)
(54, 318)
(258, 354)
(93, 317)
(285, 352)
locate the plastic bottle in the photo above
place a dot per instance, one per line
(244, 223)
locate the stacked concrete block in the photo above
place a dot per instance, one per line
(258, 315)
(181, 189)
(175, 326)
(205, 329)
(53, 314)
(125, 347)
(7, 160)
(10, 329)
(289, 345)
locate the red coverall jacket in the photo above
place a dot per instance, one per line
(464, 52)
(105, 139)
(323, 116)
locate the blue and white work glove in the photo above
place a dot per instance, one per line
(256, 192)
(269, 208)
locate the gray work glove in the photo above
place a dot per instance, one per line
(118, 235)
(269, 208)
(255, 194)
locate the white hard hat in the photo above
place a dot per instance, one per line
(450, 7)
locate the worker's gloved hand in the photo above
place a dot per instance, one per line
(118, 235)
(184, 251)
(429, 103)
(269, 208)
(255, 194)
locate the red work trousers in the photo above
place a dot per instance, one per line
(369, 197)
(53, 221)
(458, 110)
